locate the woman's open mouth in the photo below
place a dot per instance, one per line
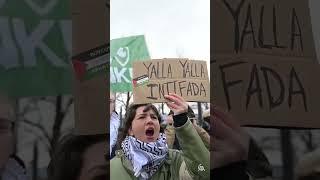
(149, 132)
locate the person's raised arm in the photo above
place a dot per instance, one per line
(196, 155)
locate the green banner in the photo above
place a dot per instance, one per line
(122, 52)
(35, 47)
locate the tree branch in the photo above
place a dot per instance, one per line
(42, 139)
(39, 127)
(69, 103)
(120, 99)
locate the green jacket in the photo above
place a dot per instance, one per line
(193, 161)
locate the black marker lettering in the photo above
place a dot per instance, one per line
(169, 75)
(202, 89)
(189, 89)
(153, 71)
(301, 91)
(151, 91)
(147, 67)
(261, 37)
(272, 102)
(275, 35)
(161, 91)
(226, 84)
(202, 72)
(183, 65)
(246, 32)
(195, 89)
(294, 34)
(254, 79)
(235, 14)
(181, 87)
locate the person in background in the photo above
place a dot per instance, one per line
(80, 157)
(205, 137)
(206, 115)
(114, 124)
(11, 166)
(172, 140)
(206, 120)
(170, 133)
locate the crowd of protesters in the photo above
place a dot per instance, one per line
(149, 147)
(233, 153)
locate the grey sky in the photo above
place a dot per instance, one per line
(176, 28)
(171, 28)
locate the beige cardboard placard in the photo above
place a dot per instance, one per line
(280, 28)
(90, 30)
(268, 94)
(264, 65)
(154, 78)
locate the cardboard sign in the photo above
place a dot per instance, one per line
(264, 66)
(90, 30)
(274, 28)
(158, 77)
(269, 94)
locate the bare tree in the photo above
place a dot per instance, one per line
(120, 100)
(129, 95)
(48, 137)
(59, 117)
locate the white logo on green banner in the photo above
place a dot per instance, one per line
(122, 52)
(123, 56)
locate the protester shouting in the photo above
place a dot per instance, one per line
(144, 152)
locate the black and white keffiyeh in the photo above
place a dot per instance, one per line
(146, 158)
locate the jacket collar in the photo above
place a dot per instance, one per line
(125, 162)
